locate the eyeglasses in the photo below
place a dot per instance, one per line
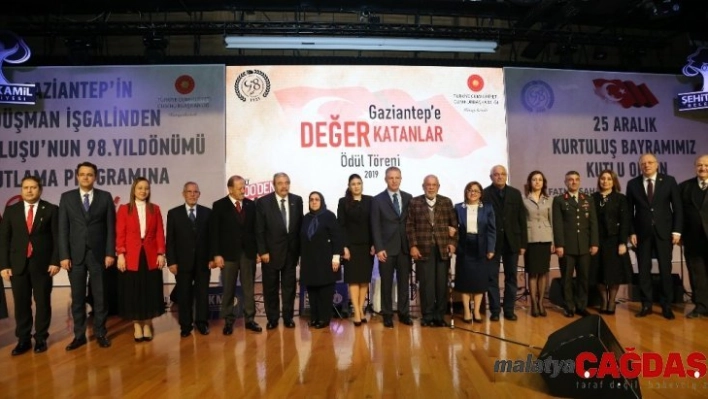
(474, 191)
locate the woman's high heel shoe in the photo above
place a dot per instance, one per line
(147, 333)
(542, 310)
(138, 333)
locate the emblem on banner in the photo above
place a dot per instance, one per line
(697, 64)
(14, 50)
(252, 85)
(537, 96)
(625, 93)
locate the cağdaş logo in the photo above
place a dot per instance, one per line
(625, 93)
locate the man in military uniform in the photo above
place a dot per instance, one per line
(576, 238)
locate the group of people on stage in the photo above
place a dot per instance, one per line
(492, 226)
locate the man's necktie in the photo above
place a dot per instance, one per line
(238, 210)
(650, 190)
(192, 216)
(284, 213)
(87, 204)
(704, 185)
(396, 204)
(30, 220)
(575, 199)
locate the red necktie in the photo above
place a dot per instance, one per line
(238, 210)
(30, 219)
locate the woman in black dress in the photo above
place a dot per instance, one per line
(611, 265)
(475, 249)
(320, 246)
(354, 216)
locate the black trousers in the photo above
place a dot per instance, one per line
(246, 269)
(192, 291)
(321, 302)
(401, 264)
(575, 295)
(697, 262)
(662, 248)
(275, 279)
(35, 283)
(77, 280)
(510, 260)
(432, 275)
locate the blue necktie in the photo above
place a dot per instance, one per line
(396, 204)
(192, 217)
(284, 213)
(86, 202)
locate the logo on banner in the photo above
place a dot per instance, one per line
(537, 96)
(252, 85)
(14, 50)
(697, 64)
(184, 84)
(475, 83)
(625, 93)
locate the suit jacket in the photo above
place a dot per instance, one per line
(80, 230)
(486, 229)
(355, 221)
(188, 244)
(664, 215)
(283, 245)
(612, 216)
(14, 237)
(230, 234)
(539, 219)
(695, 215)
(128, 241)
(575, 225)
(317, 252)
(511, 218)
(388, 229)
(424, 233)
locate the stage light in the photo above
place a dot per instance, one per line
(358, 44)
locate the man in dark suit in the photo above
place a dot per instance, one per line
(657, 218)
(187, 245)
(430, 217)
(87, 246)
(389, 211)
(511, 241)
(29, 258)
(278, 222)
(695, 235)
(233, 249)
(576, 236)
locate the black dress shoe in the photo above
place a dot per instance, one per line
(468, 321)
(76, 343)
(363, 320)
(405, 320)
(182, 333)
(271, 325)
(40, 346)
(646, 311)
(104, 342)
(357, 323)
(510, 316)
(494, 317)
(568, 313)
(542, 311)
(22, 347)
(667, 313)
(478, 320)
(289, 323)
(320, 325)
(388, 322)
(583, 312)
(695, 314)
(427, 323)
(253, 326)
(203, 328)
(228, 328)
(440, 323)
(312, 323)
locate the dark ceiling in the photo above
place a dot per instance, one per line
(598, 34)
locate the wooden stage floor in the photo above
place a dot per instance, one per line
(343, 361)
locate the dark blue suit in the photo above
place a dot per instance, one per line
(473, 271)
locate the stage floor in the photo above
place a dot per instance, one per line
(342, 361)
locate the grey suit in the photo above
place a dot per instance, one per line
(389, 234)
(86, 238)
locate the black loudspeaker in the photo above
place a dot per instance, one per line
(635, 292)
(589, 334)
(555, 294)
